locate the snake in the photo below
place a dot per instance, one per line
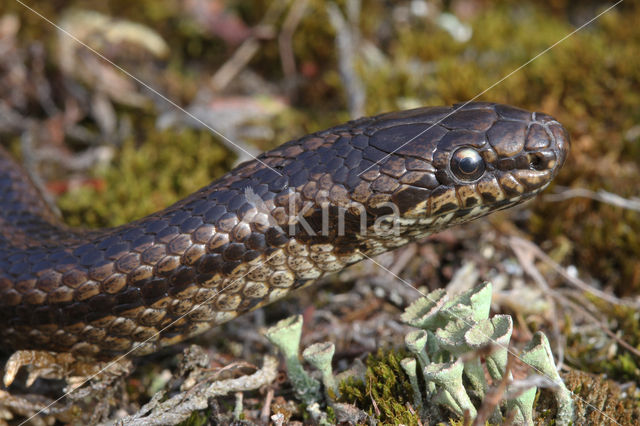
(305, 209)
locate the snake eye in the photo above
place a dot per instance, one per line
(467, 164)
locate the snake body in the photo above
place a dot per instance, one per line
(307, 208)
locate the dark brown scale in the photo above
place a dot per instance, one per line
(479, 120)
(220, 252)
(536, 139)
(418, 148)
(508, 137)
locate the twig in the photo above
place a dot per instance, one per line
(12, 121)
(249, 47)
(576, 282)
(494, 396)
(179, 407)
(285, 39)
(30, 164)
(347, 46)
(602, 196)
(403, 258)
(522, 247)
(266, 407)
(235, 64)
(526, 257)
(27, 405)
(602, 326)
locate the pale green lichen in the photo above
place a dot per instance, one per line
(461, 326)
(495, 331)
(476, 301)
(446, 349)
(424, 312)
(320, 355)
(522, 406)
(538, 355)
(448, 377)
(451, 339)
(416, 342)
(409, 367)
(285, 335)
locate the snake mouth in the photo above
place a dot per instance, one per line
(558, 145)
(562, 144)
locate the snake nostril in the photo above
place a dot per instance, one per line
(537, 162)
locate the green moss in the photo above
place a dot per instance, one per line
(147, 177)
(386, 391)
(596, 353)
(597, 400)
(197, 418)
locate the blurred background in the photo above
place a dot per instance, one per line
(109, 150)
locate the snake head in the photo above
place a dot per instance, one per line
(456, 164)
(420, 170)
(494, 156)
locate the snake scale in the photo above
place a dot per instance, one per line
(310, 207)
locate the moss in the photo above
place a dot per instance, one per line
(596, 353)
(197, 418)
(331, 416)
(597, 400)
(386, 392)
(147, 177)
